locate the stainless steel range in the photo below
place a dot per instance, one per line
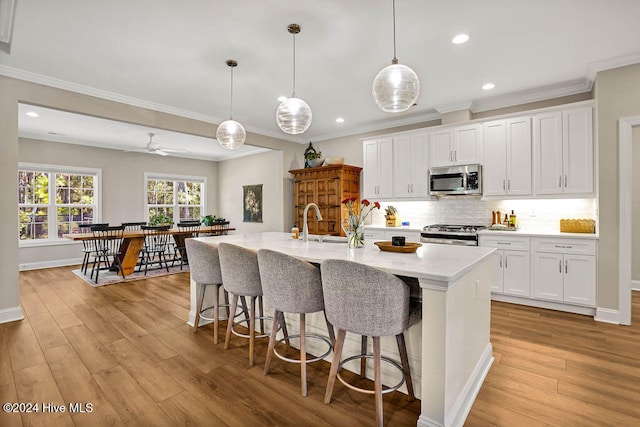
(451, 234)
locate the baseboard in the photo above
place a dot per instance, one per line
(49, 264)
(635, 285)
(588, 311)
(11, 314)
(607, 315)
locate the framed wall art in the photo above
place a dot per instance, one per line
(252, 203)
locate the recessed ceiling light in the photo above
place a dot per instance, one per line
(488, 86)
(339, 120)
(282, 98)
(33, 114)
(460, 38)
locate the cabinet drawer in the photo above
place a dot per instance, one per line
(501, 242)
(565, 246)
(410, 236)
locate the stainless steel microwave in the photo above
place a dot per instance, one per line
(455, 180)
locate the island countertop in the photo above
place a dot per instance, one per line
(438, 264)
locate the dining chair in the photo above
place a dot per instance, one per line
(154, 249)
(88, 246)
(133, 226)
(187, 230)
(108, 241)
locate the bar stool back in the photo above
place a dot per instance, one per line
(367, 301)
(205, 271)
(291, 285)
(241, 278)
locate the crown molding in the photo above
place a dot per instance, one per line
(449, 108)
(543, 93)
(607, 64)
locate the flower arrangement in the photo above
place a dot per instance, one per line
(357, 214)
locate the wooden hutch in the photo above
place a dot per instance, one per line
(327, 187)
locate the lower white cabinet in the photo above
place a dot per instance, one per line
(512, 260)
(374, 235)
(564, 270)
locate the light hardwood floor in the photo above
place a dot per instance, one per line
(127, 350)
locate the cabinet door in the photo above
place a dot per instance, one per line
(467, 145)
(516, 273)
(577, 150)
(518, 156)
(370, 169)
(548, 276)
(410, 165)
(494, 169)
(402, 162)
(440, 147)
(580, 279)
(385, 168)
(498, 261)
(547, 143)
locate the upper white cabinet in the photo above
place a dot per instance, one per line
(507, 157)
(458, 145)
(377, 169)
(563, 152)
(410, 165)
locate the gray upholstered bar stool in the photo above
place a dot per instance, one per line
(291, 285)
(205, 271)
(241, 278)
(370, 302)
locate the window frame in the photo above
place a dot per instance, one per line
(52, 215)
(172, 177)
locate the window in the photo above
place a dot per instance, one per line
(53, 200)
(178, 198)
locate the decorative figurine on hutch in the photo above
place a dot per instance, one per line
(312, 158)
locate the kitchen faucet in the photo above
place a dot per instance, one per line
(305, 228)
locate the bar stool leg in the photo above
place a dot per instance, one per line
(303, 355)
(337, 353)
(272, 340)
(283, 325)
(199, 299)
(216, 298)
(402, 349)
(332, 335)
(234, 305)
(363, 360)
(261, 316)
(252, 330)
(226, 302)
(377, 380)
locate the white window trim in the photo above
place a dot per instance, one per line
(172, 177)
(97, 195)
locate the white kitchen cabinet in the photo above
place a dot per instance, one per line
(565, 270)
(377, 168)
(376, 234)
(373, 235)
(512, 260)
(459, 145)
(410, 165)
(563, 152)
(507, 154)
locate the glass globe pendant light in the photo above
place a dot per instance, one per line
(396, 87)
(231, 134)
(293, 114)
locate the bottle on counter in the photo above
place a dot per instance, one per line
(512, 220)
(295, 232)
(505, 222)
(493, 218)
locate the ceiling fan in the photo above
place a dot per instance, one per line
(154, 148)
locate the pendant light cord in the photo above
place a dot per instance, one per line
(293, 95)
(231, 102)
(395, 58)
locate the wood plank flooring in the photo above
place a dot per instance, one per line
(128, 351)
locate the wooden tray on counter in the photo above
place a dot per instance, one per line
(408, 247)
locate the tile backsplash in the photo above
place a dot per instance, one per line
(538, 214)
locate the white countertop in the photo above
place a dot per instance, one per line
(439, 263)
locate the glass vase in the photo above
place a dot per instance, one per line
(354, 231)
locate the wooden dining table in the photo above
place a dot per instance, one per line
(134, 241)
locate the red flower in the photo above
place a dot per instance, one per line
(377, 205)
(365, 202)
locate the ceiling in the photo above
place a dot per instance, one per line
(170, 56)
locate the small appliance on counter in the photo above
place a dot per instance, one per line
(392, 217)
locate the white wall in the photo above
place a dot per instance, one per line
(265, 169)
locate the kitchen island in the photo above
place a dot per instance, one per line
(449, 350)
